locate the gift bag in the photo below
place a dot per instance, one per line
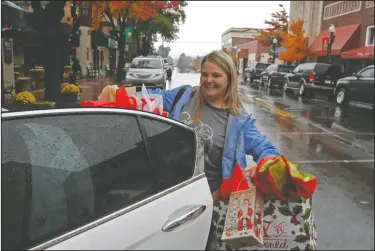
(108, 93)
(244, 219)
(288, 225)
(152, 103)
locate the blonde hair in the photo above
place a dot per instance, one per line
(231, 99)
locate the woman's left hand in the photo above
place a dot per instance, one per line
(249, 170)
(216, 196)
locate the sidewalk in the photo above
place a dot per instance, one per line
(90, 87)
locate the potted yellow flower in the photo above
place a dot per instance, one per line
(25, 98)
(27, 101)
(71, 93)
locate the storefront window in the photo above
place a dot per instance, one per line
(370, 35)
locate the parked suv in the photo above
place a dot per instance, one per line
(310, 78)
(254, 70)
(359, 88)
(275, 74)
(146, 70)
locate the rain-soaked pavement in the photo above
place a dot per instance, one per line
(334, 144)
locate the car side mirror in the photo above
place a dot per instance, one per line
(356, 75)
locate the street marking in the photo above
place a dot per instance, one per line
(275, 110)
(332, 161)
(326, 133)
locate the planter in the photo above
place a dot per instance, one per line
(25, 84)
(38, 76)
(72, 98)
(69, 101)
(28, 107)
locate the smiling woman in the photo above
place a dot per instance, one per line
(225, 129)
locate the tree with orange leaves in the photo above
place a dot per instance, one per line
(126, 13)
(196, 66)
(294, 42)
(277, 25)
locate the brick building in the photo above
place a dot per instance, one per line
(353, 47)
(235, 36)
(311, 14)
(251, 52)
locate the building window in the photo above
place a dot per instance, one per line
(342, 8)
(370, 35)
(369, 4)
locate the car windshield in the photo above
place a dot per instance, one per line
(285, 68)
(146, 64)
(262, 66)
(327, 69)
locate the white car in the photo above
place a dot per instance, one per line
(102, 179)
(147, 71)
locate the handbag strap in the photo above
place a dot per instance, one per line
(178, 96)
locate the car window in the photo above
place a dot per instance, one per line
(296, 70)
(367, 73)
(60, 173)
(262, 66)
(172, 150)
(308, 66)
(146, 63)
(269, 68)
(334, 71)
(285, 68)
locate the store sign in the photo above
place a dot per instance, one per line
(85, 10)
(325, 41)
(7, 65)
(128, 33)
(112, 43)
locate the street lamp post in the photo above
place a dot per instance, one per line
(331, 40)
(274, 42)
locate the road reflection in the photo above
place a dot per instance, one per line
(319, 110)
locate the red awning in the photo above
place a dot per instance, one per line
(342, 36)
(243, 53)
(365, 52)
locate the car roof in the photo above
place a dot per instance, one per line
(148, 58)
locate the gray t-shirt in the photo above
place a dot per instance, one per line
(212, 130)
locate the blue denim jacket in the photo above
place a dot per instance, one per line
(242, 138)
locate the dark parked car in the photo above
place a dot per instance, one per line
(359, 88)
(254, 70)
(275, 74)
(310, 78)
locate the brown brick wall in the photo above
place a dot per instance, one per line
(365, 17)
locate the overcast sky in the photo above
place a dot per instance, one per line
(206, 21)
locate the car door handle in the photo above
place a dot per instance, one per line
(189, 216)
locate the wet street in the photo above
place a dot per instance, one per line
(334, 144)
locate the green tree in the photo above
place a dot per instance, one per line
(166, 24)
(277, 25)
(184, 62)
(123, 14)
(163, 51)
